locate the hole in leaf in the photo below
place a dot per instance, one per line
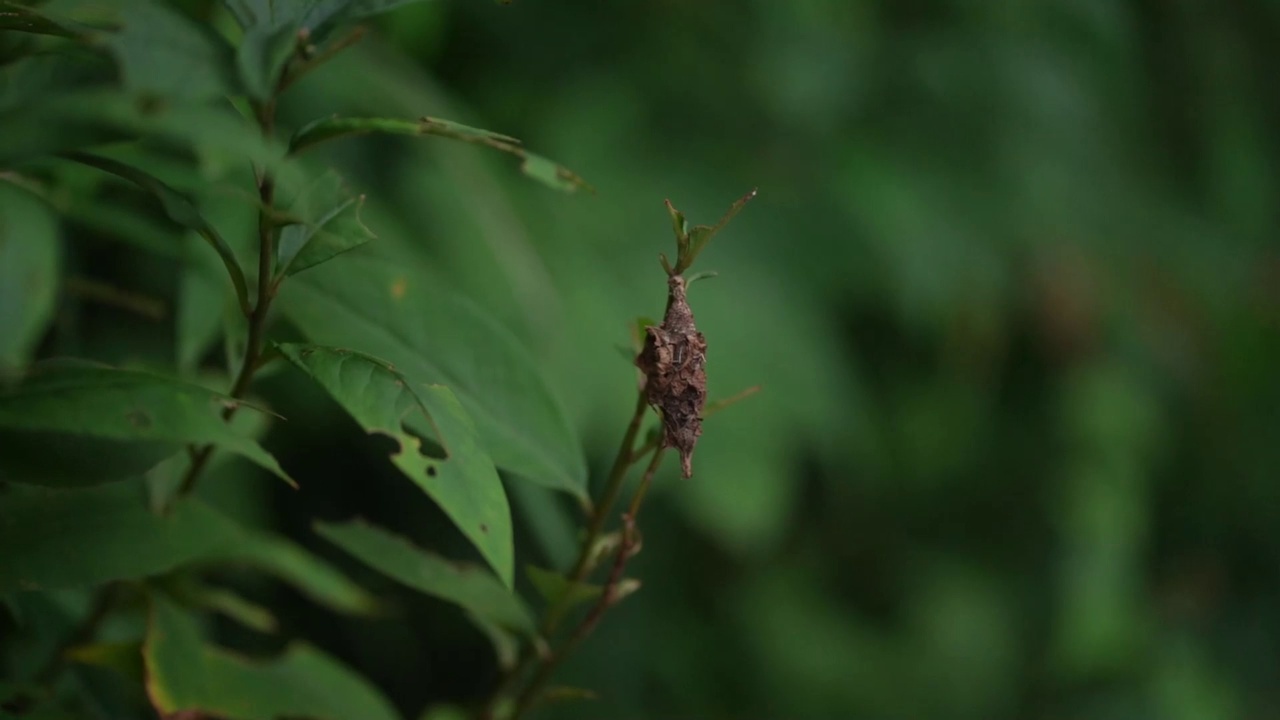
(431, 471)
(484, 528)
(427, 447)
(384, 443)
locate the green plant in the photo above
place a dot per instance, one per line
(140, 128)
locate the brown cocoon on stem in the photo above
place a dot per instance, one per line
(674, 361)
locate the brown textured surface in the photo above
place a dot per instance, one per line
(674, 361)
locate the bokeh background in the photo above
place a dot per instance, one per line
(1011, 286)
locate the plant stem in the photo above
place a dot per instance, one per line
(104, 601)
(608, 597)
(309, 64)
(266, 293)
(613, 487)
(622, 461)
(645, 481)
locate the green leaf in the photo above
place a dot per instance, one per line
(52, 122)
(122, 657)
(535, 166)
(319, 18)
(472, 588)
(391, 311)
(180, 210)
(329, 225)
(553, 586)
(56, 539)
(262, 56)
(125, 405)
(368, 8)
(201, 306)
(30, 253)
(697, 238)
(464, 484)
(190, 591)
(184, 673)
(162, 53)
(69, 460)
(21, 18)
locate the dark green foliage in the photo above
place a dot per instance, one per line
(1009, 286)
(112, 408)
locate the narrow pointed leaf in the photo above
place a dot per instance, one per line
(30, 254)
(465, 484)
(180, 210)
(125, 405)
(124, 658)
(392, 312)
(472, 588)
(319, 18)
(60, 539)
(535, 166)
(186, 674)
(190, 591)
(21, 18)
(553, 586)
(692, 244)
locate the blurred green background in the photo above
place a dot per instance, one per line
(1011, 285)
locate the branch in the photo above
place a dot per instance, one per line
(266, 114)
(608, 598)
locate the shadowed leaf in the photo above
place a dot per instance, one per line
(180, 210)
(391, 312)
(163, 53)
(554, 587)
(184, 673)
(464, 483)
(55, 539)
(30, 256)
(472, 588)
(125, 405)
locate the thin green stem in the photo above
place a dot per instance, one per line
(623, 460)
(308, 64)
(645, 481)
(608, 596)
(613, 487)
(104, 601)
(266, 113)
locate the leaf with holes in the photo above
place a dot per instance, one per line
(464, 483)
(125, 406)
(62, 539)
(432, 336)
(471, 588)
(186, 674)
